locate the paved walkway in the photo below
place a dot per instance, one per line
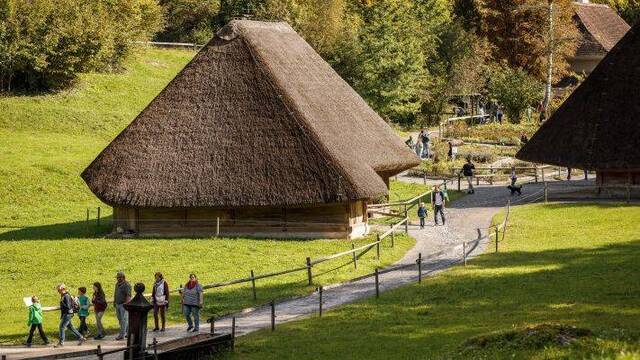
(464, 217)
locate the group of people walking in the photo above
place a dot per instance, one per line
(192, 300)
(422, 144)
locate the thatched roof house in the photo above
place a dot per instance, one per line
(258, 131)
(598, 126)
(599, 29)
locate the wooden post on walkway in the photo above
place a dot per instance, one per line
(355, 258)
(546, 192)
(218, 226)
(320, 301)
(377, 284)
(497, 234)
(233, 332)
(459, 178)
(419, 261)
(253, 285)
(542, 169)
(155, 348)
(273, 315)
(378, 246)
(406, 222)
(309, 275)
(464, 252)
(535, 169)
(98, 352)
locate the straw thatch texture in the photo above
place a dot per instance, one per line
(600, 28)
(256, 119)
(597, 127)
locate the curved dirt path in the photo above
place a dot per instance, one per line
(464, 217)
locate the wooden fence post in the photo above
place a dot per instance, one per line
(218, 226)
(233, 332)
(535, 171)
(377, 283)
(98, 352)
(419, 261)
(464, 252)
(459, 177)
(393, 238)
(155, 349)
(406, 222)
(546, 192)
(320, 302)
(424, 177)
(273, 315)
(378, 246)
(497, 235)
(629, 188)
(212, 321)
(309, 275)
(355, 258)
(87, 222)
(98, 218)
(253, 285)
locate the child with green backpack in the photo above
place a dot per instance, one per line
(35, 321)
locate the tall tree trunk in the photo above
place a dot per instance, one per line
(547, 93)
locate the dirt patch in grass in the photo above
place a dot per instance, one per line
(533, 337)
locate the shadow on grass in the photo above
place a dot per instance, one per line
(75, 230)
(594, 288)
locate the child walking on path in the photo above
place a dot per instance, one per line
(83, 311)
(35, 321)
(422, 213)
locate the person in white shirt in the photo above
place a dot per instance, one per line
(438, 203)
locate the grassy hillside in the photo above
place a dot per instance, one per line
(48, 140)
(574, 265)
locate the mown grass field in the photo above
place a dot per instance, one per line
(47, 140)
(571, 264)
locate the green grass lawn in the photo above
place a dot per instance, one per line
(572, 264)
(47, 140)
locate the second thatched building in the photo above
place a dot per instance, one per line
(256, 136)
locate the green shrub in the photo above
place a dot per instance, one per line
(44, 44)
(515, 90)
(189, 20)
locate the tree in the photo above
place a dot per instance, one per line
(514, 89)
(46, 43)
(518, 33)
(628, 9)
(189, 20)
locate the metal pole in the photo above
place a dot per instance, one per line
(419, 261)
(253, 285)
(377, 283)
(273, 316)
(309, 275)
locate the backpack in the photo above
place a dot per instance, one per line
(75, 305)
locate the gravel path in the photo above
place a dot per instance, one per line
(464, 217)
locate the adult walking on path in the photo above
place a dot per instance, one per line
(160, 300)
(35, 321)
(438, 202)
(66, 315)
(192, 301)
(121, 296)
(468, 170)
(99, 301)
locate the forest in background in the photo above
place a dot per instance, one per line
(406, 58)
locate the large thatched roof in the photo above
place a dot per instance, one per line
(598, 126)
(256, 118)
(600, 29)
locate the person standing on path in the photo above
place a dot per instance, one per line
(422, 213)
(467, 171)
(83, 311)
(67, 305)
(35, 321)
(192, 301)
(99, 301)
(438, 202)
(499, 114)
(160, 300)
(514, 176)
(121, 296)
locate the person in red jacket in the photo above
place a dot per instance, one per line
(160, 300)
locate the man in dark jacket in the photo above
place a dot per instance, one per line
(66, 314)
(437, 203)
(467, 171)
